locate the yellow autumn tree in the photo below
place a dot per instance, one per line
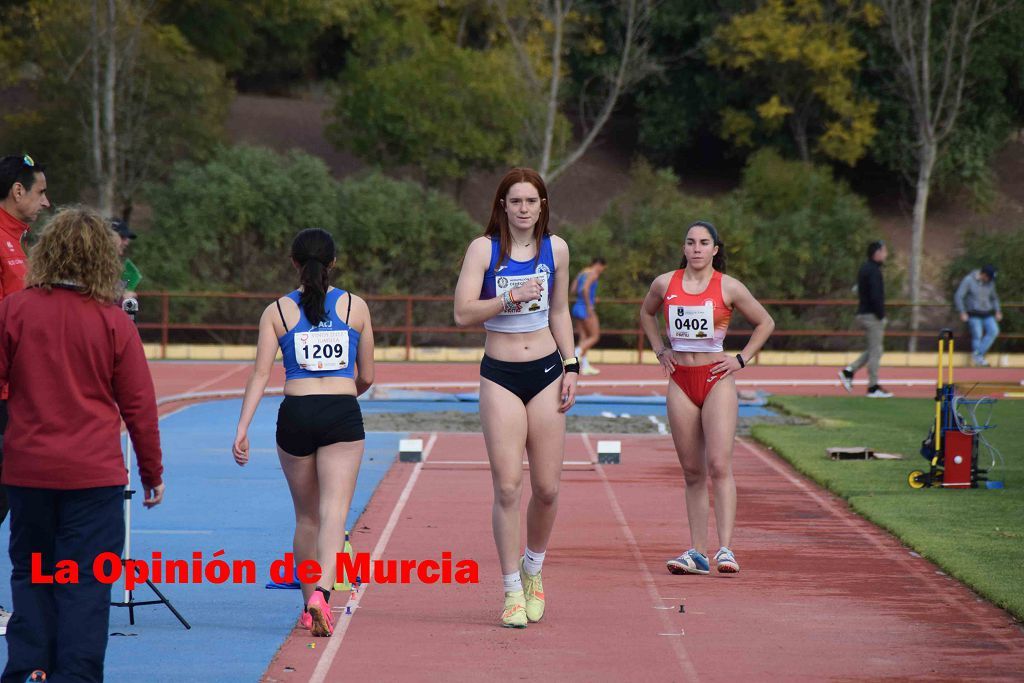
(799, 56)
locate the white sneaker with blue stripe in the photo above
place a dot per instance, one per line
(690, 562)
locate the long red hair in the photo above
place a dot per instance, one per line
(498, 224)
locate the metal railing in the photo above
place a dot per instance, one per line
(409, 328)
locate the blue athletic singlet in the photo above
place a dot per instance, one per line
(525, 316)
(579, 307)
(324, 350)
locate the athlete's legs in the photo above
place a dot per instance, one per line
(337, 467)
(718, 419)
(545, 449)
(503, 421)
(300, 472)
(685, 420)
(592, 331)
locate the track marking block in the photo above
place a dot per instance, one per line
(608, 452)
(410, 450)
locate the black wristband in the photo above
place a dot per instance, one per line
(740, 359)
(573, 367)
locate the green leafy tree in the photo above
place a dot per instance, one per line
(934, 44)
(266, 45)
(412, 97)
(227, 224)
(113, 96)
(799, 54)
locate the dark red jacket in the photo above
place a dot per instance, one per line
(13, 266)
(75, 368)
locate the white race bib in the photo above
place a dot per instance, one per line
(322, 350)
(691, 322)
(504, 283)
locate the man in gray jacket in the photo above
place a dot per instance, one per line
(978, 303)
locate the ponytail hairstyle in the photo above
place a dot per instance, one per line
(718, 260)
(314, 252)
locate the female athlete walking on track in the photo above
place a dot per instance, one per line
(326, 341)
(697, 301)
(588, 327)
(515, 281)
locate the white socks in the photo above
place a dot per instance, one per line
(532, 562)
(513, 583)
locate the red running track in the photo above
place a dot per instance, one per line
(174, 378)
(822, 594)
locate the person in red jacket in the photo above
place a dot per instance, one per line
(76, 367)
(23, 193)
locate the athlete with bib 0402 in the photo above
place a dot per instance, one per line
(515, 280)
(697, 301)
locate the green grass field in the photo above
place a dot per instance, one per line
(976, 535)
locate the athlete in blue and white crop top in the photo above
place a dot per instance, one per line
(318, 350)
(526, 316)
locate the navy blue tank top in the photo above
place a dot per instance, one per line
(324, 350)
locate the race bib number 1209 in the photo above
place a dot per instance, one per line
(322, 350)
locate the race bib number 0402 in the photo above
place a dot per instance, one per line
(322, 350)
(504, 283)
(691, 322)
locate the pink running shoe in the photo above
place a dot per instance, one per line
(320, 613)
(306, 621)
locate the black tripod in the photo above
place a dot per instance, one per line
(131, 307)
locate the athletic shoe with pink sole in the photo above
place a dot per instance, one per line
(320, 613)
(306, 621)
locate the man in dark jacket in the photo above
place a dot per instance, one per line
(870, 316)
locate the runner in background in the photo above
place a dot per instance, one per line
(326, 341)
(588, 326)
(514, 280)
(697, 301)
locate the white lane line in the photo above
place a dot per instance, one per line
(342, 622)
(689, 672)
(871, 534)
(209, 383)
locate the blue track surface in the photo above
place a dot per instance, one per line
(212, 504)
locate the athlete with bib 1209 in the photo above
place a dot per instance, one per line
(326, 341)
(515, 281)
(697, 301)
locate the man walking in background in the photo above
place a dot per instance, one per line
(870, 316)
(978, 303)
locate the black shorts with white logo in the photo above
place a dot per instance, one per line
(526, 379)
(306, 423)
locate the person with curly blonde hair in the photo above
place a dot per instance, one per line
(76, 367)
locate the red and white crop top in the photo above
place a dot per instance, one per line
(696, 322)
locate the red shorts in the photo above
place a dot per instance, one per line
(696, 381)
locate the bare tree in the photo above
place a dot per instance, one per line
(934, 43)
(633, 65)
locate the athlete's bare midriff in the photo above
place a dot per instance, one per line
(519, 347)
(313, 386)
(694, 358)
